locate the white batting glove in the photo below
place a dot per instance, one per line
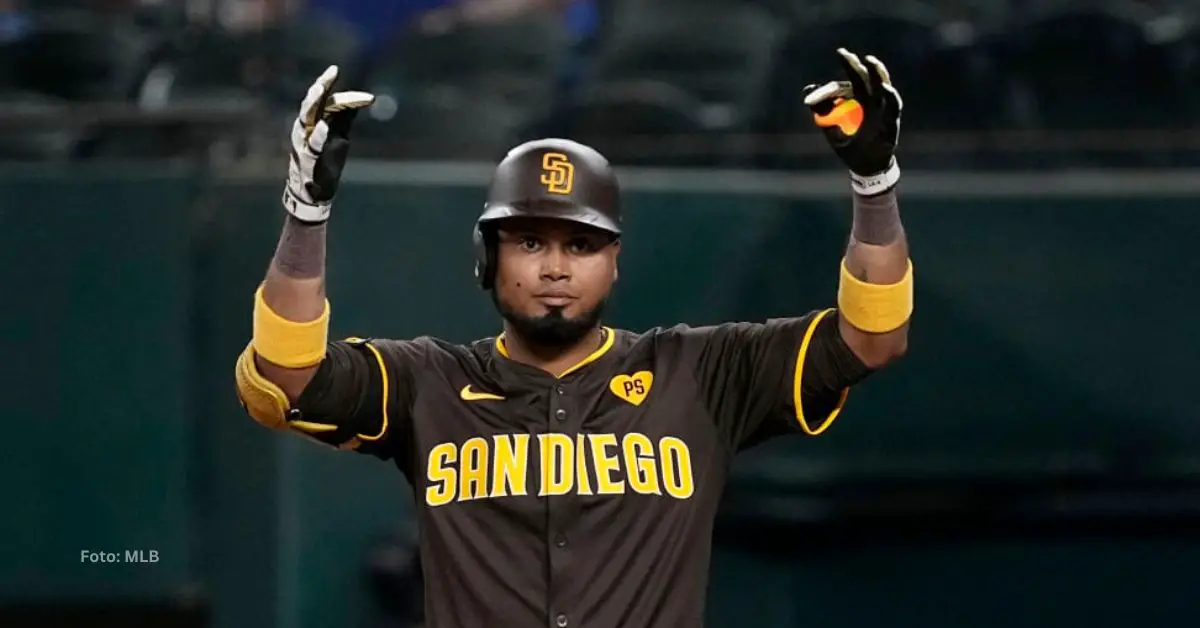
(320, 144)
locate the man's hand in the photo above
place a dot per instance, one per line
(320, 143)
(861, 119)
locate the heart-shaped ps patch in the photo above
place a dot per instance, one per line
(632, 388)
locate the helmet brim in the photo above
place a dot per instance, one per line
(557, 211)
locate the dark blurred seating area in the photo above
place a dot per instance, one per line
(986, 84)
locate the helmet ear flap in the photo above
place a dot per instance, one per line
(484, 240)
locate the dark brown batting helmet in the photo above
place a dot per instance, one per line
(547, 178)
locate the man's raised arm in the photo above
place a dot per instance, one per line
(861, 119)
(291, 313)
(294, 293)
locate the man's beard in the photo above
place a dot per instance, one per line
(552, 330)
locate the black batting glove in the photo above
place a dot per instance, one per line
(860, 118)
(320, 145)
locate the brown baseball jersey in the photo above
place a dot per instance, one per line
(585, 498)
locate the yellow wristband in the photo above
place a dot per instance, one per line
(288, 343)
(875, 308)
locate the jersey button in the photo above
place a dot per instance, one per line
(561, 621)
(560, 414)
(559, 390)
(560, 541)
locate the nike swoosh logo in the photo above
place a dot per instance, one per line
(469, 395)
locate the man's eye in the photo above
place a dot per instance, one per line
(529, 243)
(582, 245)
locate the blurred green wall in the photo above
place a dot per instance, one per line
(1039, 337)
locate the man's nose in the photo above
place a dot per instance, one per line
(554, 265)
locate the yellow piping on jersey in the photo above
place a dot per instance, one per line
(609, 339)
(309, 426)
(383, 374)
(797, 397)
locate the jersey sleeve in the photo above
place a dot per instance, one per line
(787, 375)
(360, 398)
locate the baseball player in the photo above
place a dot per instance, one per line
(567, 473)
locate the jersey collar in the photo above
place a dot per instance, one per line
(609, 338)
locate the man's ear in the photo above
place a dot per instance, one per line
(616, 253)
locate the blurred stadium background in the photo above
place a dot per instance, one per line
(1033, 462)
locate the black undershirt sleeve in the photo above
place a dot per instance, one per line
(359, 398)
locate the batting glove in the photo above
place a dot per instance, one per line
(861, 120)
(320, 144)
